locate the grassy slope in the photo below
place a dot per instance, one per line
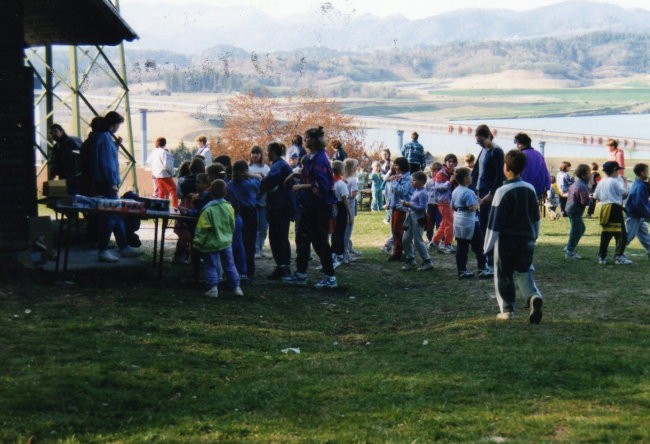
(137, 360)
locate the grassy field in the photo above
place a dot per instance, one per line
(389, 356)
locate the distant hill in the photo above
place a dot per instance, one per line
(581, 60)
(192, 28)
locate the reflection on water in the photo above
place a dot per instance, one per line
(636, 126)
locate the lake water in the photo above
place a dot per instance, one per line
(631, 126)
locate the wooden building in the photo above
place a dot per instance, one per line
(30, 23)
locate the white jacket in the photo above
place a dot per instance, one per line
(162, 163)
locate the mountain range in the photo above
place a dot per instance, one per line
(191, 28)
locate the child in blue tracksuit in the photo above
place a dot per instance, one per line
(637, 208)
(213, 240)
(467, 229)
(244, 189)
(415, 223)
(375, 187)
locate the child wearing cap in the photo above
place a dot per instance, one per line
(610, 191)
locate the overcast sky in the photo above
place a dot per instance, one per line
(412, 9)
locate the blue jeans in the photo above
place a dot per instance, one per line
(108, 223)
(575, 232)
(262, 228)
(215, 262)
(638, 227)
(238, 250)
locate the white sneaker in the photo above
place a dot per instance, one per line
(622, 260)
(427, 265)
(336, 263)
(107, 256)
(328, 282)
(212, 293)
(130, 252)
(572, 255)
(507, 316)
(410, 264)
(238, 292)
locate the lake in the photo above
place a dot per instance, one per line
(631, 126)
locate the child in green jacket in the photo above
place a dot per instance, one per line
(213, 239)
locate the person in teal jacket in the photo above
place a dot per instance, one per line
(213, 240)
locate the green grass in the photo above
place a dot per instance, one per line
(136, 360)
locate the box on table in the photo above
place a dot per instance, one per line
(155, 206)
(55, 188)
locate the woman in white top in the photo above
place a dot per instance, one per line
(256, 166)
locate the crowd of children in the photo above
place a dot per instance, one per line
(439, 211)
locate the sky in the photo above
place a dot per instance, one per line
(413, 9)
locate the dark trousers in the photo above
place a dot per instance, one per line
(249, 235)
(279, 221)
(397, 228)
(338, 237)
(563, 201)
(314, 231)
(436, 219)
(513, 263)
(476, 243)
(483, 216)
(606, 237)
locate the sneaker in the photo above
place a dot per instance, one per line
(354, 252)
(486, 273)
(107, 256)
(450, 248)
(536, 303)
(410, 264)
(602, 260)
(622, 260)
(296, 279)
(431, 246)
(336, 263)
(277, 274)
(571, 255)
(465, 274)
(238, 291)
(212, 293)
(130, 252)
(441, 248)
(507, 316)
(345, 259)
(426, 265)
(327, 282)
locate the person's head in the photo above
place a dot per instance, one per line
(336, 145)
(57, 132)
(582, 171)
(612, 144)
(201, 141)
(315, 139)
(218, 189)
(274, 151)
(483, 136)
(202, 182)
(226, 162)
(337, 167)
(401, 165)
(641, 171)
(216, 171)
(463, 176)
(565, 166)
(376, 166)
(239, 170)
(350, 167)
(385, 154)
(418, 179)
(514, 163)
(553, 179)
(435, 167)
(297, 140)
(611, 168)
(414, 135)
(97, 124)
(594, 166)
(293, 160)
(184, 169)
(161, 142)
(522, 141)
(470, 160)
(197, 165)
(113, 120)
(256, 155)
(451, 161)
